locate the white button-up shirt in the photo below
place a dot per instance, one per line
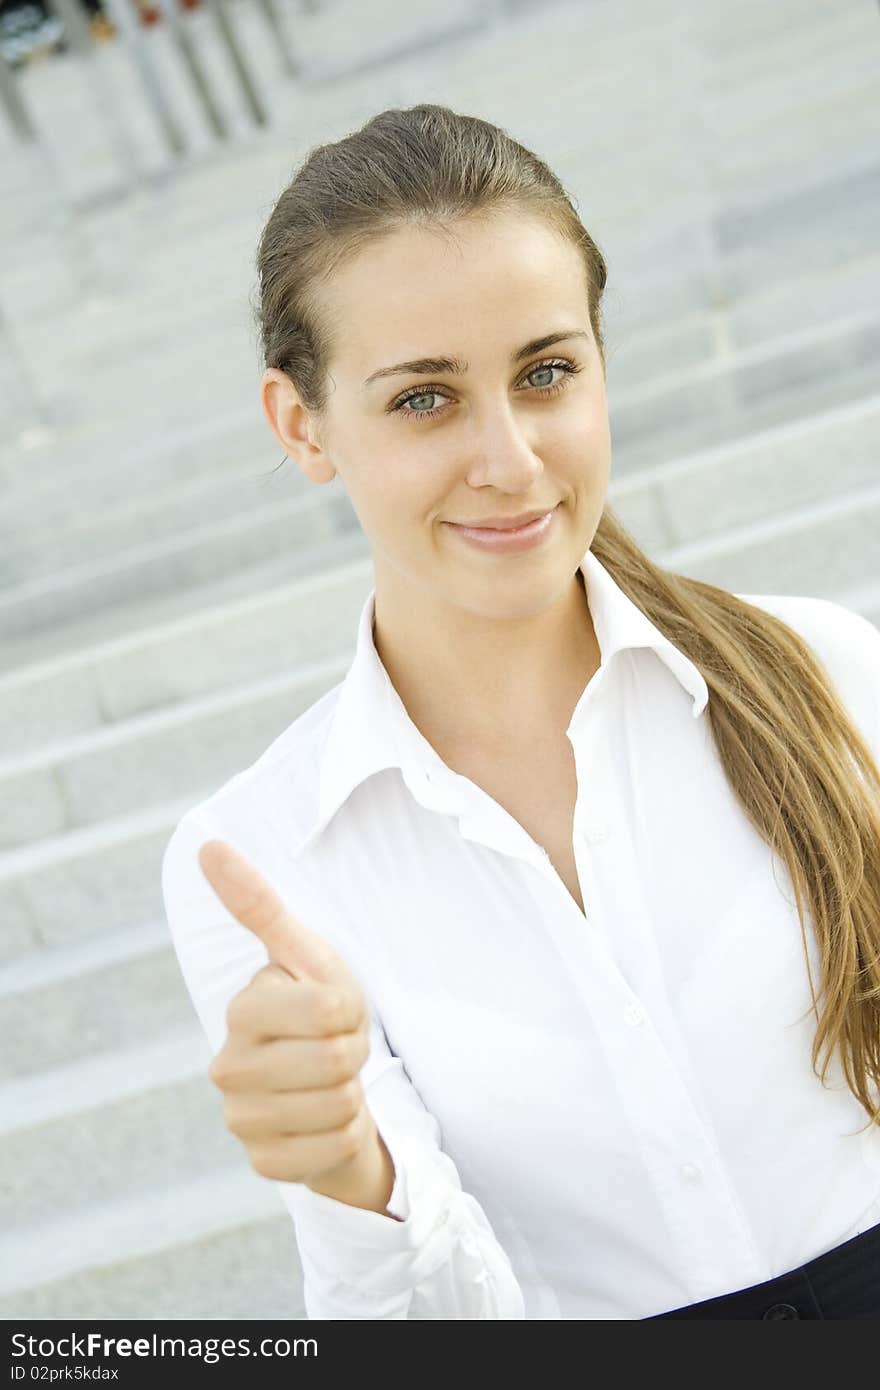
(603, 1116)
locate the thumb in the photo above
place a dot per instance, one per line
(253, 902)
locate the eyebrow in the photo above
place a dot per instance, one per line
(454, 366)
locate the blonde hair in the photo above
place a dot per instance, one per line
(787, 745)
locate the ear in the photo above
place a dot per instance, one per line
(293, 427)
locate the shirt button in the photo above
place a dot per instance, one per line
(781, 1310)
(634, 1015)
(691, 1172)
(594, 834)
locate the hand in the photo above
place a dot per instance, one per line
(297, 1039)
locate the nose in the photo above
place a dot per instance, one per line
(501, 453)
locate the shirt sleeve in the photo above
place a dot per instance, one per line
(441, 1259)
(848, 646)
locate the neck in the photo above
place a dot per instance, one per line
(468, 680)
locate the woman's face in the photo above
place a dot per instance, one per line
(514, 430)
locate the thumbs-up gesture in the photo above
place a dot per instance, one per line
(297, 1039)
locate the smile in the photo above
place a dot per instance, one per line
(507, 541)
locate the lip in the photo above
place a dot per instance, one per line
(502, 523)
(507, 539)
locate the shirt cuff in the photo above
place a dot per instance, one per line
(352, 1246)
(398, 1202)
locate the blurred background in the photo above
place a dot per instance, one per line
(169, 603)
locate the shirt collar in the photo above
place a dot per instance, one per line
(370, 728)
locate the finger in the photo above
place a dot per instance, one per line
(290, 1064)
(244, 891)
(299, 1157)
(273, 1114)
(274, 1005)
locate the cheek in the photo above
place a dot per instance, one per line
(393, 492)
(592, 426)
(411, 483)
(594, 455)
(577, 435)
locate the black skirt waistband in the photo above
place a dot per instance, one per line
(842, 1283)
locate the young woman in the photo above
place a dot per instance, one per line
(519, 949)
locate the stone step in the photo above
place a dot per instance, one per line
(761, 48)
(186, 1251)
(639, 138)
(790, 305)
(295, 529)
(48, 891)
(359, 41)
(155, 757)
(41, 546)
(762, 476)
(798, 220)
(80, 882)
(638, 40)
(822, 224)
(110, 1125)
(112, 470)
(692, 189)
(51, 696)
(724, 399)
(120, 989)
(224, 636)
(827, 547)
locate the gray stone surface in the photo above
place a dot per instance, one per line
(121, 771)
(249, 1272)
(132, 1247)
(229, 642)
(122, 1148)
(101, 1004)
(168, 565)
(112, 625)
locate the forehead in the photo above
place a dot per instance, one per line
(419, 291)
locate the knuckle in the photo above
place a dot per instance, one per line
(349, 1138)
(330, 1010)
(218, 1071)
(263, 1161)
(338, 1052)
(232, 1117)
(361, 1047)
(348, 1101)
(276, 1161)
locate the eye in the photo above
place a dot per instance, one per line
(421, 393)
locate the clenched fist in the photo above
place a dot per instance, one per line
(297, 1039)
